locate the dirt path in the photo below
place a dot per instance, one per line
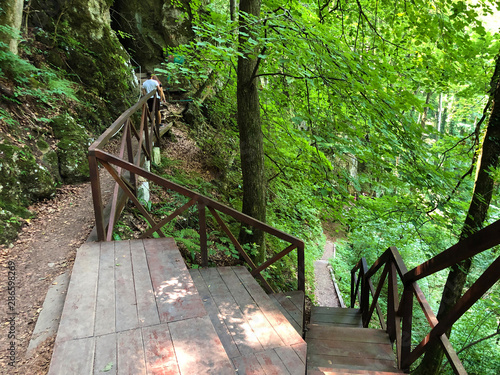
(45, 248)
(325, 290)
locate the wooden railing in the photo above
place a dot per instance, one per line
(136, 145)
(398, 322)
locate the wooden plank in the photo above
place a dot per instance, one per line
(324, 371)
(159, 351)
(175, 293)
(334, 310)
(147, 311)
(271, 363)
(215, 315)
(337, 347)
(285, 312)
(346, 333)
(247, 365)
(347, 363)
(105, 355)
(341, 320)
(105, 305)
(291, 360)
(126, 309)
(281, 325)
(297, 298)
(131, 352)
(236, 322)
(263, 329)
(301, 350)
(198, 349)
(72, 357)
(77, 319)
(291, 308)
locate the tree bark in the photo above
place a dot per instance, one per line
(251, 137)
(11, 15)
(423, 119)
(481, 197)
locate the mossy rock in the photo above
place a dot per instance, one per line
(23, 179)
(71, 149)
(9, 226)
(73, 162)
(65, 125)
(51, 162)
(43, 146)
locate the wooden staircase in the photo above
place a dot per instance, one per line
(337, 344)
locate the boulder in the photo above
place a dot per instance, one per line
(71, 148)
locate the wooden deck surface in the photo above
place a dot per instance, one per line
(132, 308)
(255, 334)
(337, 344)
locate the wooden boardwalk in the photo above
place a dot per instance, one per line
(132, 307)
(337, 344)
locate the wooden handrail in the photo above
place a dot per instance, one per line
(400, 312)
(126, 166)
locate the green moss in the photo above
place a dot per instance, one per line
(23, 181)
(42, 146)
(73, 162)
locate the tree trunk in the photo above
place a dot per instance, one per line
(483, 190)
(251, 138)
(11, 15)
(232, 9)
(423, 119)
(440, 113)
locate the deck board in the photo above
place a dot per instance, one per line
(281, 325)
(235, 321)
(131, 356)
(105, 304)
(77, 318)
(215, 316)
(159, 351)
(133, 308)
(147, 311)
(126, 307)
(75, 357)
(176, 296)
(337, 345)
(192, 339)
(105, 355)
(264, 331)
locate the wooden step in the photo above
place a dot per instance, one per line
(132, 308)
(336, 344)
(350, 372)
(336, 316)
(291, 305)
(257, 337)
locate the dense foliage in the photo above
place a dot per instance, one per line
(372, 117)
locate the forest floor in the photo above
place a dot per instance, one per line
(46, 248)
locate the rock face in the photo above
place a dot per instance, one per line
(42, 148)
(80, 34)
(23, 180)
(148, 28)
(71, 148)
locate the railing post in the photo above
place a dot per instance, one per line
(95, 184)
(353, 288)
(364, 302)
(301, 281)
(203, 234)
(407, 316)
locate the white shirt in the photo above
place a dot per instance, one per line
(150, 85)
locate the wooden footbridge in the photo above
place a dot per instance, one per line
(133, 307)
